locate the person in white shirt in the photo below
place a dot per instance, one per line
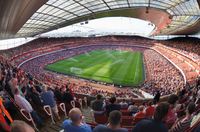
(24, 104)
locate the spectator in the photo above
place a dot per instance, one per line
(21, 126)
(124, 104)
(184, 123)
(133, 109)
(112, 106)
(149, 111)
(35, 96)
(140, 115)
(114, 120)
(58, 94)
(157, 97)
(171, 116)
(75, 123)
(67, 96)
(24, 104)
(97, 104)
(4, 111)
(3, 124)
(156, 124)
(47, 97)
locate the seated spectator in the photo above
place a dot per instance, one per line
(24, 104)
(156, 124)
(21, 126)
(140, 114)
(97, 104)
(47, 97)
(75, 123)
(149, 111)
(133, 109)
(184, 123)
(67, 96)
(171, 116)
(112, 106)
(114, 120)
(123, 104)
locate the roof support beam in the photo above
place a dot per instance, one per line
(51, 15)
(106, 4)
(63, 10)
(83, 6)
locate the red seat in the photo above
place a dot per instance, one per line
(125, 112)
(127, 121)
(100, 118)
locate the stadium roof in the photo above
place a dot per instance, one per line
(23, 18)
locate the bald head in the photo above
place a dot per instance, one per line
(21, 126)
(75, 115)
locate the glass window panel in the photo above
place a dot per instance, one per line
(48, 9)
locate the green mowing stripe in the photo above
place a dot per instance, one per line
(71, 61)
(80, 64)
(111, 66)
(130, 71)
(119, 75)
(138, 74)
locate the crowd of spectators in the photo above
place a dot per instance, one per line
(157, 78)
(25, 92)
(187, 46)
(163, 76)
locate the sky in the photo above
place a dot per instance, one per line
(106, 26)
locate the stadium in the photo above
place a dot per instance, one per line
(99, 66)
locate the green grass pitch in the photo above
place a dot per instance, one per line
(111, 66)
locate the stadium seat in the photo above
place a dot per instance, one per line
(63, 108)
(125, 112)
(48, 110)
(100, 117)
(127, 121)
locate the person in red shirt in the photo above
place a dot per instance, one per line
(139, 115)
(149, 110)
(172, 115)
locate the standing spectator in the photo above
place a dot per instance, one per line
(112, 106)
(97, 104)
(157, 97)
(58, 94)
(156, 124)
(75, 123)
(47, 97)
(184, 123)
(4, 111)
(67, 96)
(114, 121)
(24, 104)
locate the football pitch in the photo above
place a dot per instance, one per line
(111, 66)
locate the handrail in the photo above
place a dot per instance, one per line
(63, 108)
(46, 107)
(85, 100)
(81, 103)
(73, 103)
(23, 111)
